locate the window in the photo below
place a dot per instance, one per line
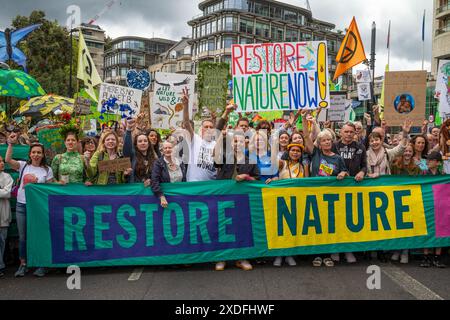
(262, 30)
(123, 72)
(290, 16)
(332, 47)
(113, 73)
(211, 45)
(246, 26)
(306, 37)
(228, 41)
(277, 33)
(276, 12)
(262, 9)
(292, 35)
(230, 23)
(245, 40)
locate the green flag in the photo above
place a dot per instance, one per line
(86, 68)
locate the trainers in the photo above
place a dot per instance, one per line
(244, 265)
(350, 257)
(220, 266)
(291, 261)
(335, 257)
(437, 262)
(20, 273)
(40, 272)
(278, 261)
(396, 256)
(426, 262)
(404, 258)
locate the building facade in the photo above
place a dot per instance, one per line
(441, 33)
(178, 59)
(227, 22)
(94, 37)
(129, 53)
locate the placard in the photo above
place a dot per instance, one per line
(124, 95)
(405, 97)
(82, 106)
(213, 85)
(116, 165)
(166, 106)
(364, 92)
(280, 76)
(443, 88)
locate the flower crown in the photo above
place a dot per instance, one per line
(70, 128)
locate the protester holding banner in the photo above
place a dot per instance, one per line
(238, 169)
(292, 168)
(69, 167)
(141, 153)
(379, 158)
(284, 140)
(155, 140)
(88, 147)
(261, 154)
(420, 144)
(167, 169)
(108, 149)
(35, 170)
(444, 142)
(6, 183)
(404, 164)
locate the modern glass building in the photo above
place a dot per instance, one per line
(129, 53)
(441, 33)
(227, 22)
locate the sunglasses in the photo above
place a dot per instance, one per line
(12, 128)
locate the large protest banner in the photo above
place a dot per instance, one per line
(166, 106)
(52, 142)
(213, 85)
(280, 76)
(124, 95)
(405, 97)
(225, 220)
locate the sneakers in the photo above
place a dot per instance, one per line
(437, 262)
(291, 261)
(40, 272)
(278, 261)
(244, 265)
(335, 257)
(396, 256)
(404, 258)
(20, 273)
(350, 257)
(220, 266)
(426, 262)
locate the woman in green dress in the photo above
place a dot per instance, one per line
(69, 167)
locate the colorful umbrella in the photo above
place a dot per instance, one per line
(16, 83)
(41, 106)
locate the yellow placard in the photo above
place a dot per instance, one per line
(298, 217)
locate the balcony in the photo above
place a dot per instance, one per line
(442, 30)
(443, 11)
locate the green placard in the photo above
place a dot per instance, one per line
(213, 85)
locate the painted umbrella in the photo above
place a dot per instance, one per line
(18, 84)
(41, 106)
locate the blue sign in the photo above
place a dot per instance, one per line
(138, 80)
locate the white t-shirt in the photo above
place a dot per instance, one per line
(201, 165)
(29, 175)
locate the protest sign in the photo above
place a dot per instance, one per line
(443, 88)
(82, 106)
(224, 220)
(363, 76)
(405, 97)
(116, 165)
(52, 142)
(213, 85)
(336, 112)
(124, 95)
(364, 92)
(166, 107)
(280, 76)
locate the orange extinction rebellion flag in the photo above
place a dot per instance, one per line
(351, 52)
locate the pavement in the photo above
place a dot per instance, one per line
(265, 282)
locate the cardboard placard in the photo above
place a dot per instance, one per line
(82, 106)
(213, 85)
(405, 97)
(280, 76)
(116, 165)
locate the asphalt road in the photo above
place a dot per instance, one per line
(265, 282)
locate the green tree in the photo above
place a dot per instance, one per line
(48, 53)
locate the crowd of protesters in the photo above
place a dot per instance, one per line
(258, 152)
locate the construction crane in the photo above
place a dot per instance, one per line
(104, 10)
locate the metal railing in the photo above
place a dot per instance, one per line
(443, 8)
(442, 30)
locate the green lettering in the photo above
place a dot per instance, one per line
(378, 210)
(400, 209)
(149, 210)
(239, 94)
(167, 222)
(250, 94)
(311, 205)
(198, 223)
(72, 230)
(273, 87)
(100, 226)
(283, 90)
(290, 216)
(130, 241)
(222, 206)
(331, 199)
(349, 213)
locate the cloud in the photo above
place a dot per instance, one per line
(168, 19)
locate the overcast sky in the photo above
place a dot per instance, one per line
(167, 19)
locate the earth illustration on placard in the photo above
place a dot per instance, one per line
(138, 80)
(404, 103)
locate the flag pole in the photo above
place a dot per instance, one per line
(389, 43)
(423, 40)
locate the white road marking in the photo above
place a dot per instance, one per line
(136, 275)
(409, 284)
